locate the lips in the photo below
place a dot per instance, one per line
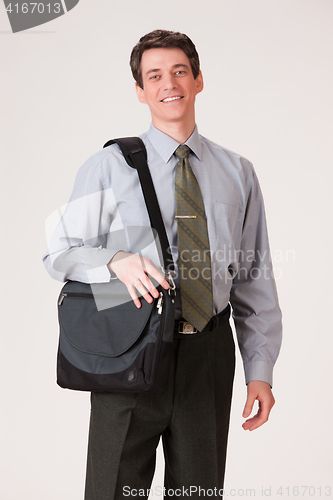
(174, 98)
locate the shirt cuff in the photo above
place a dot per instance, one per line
(258, 370)
(102, 274)
(99, 275)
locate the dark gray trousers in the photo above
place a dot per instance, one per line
(191, 415)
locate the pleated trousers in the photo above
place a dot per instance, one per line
(191, 416)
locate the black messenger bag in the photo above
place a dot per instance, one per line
(106, 343)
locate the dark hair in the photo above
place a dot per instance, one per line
(167, 40)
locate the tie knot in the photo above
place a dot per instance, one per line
(182, 151)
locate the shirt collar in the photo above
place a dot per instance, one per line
(166, 145)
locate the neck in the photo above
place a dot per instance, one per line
(179, 131)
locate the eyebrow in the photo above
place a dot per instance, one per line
(175, 66)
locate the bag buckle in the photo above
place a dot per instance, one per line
(186, 328)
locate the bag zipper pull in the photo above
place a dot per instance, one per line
(62, 299)
(160, 303)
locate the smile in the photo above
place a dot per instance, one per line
(169, 99)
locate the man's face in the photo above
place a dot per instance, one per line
(169, 87)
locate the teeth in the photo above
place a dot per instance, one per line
(169, 99)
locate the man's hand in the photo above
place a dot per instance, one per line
(261, 391)
(133, 270)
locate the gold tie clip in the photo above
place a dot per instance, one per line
(185, 217)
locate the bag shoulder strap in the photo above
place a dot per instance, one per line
(135, 154)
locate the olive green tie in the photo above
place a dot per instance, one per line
(193, 245)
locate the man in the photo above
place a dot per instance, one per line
(188, 170)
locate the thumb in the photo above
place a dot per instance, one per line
(249, 404)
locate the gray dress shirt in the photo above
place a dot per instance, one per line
(107, 213)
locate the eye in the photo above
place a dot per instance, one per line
(180, 72)
(154, 77)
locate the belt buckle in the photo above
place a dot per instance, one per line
(186, 328)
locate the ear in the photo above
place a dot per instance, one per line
(199, 83)
(140, 93)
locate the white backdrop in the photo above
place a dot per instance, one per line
(66, 88)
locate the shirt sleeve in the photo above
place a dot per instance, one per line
(253, 295)
(79, 239)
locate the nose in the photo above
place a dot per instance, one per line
(169, 82)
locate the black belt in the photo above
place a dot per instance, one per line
(185, 328)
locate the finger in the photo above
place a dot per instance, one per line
(254, 424)
(143, 291)
(150, 286)
(262, 415)
(149, 268)
(132, 292)
(259, 419)
(255, 416)
(165, 284)
(252, 419)
(156, 274)
(251, 397)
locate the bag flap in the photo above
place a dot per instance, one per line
(101, 318)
